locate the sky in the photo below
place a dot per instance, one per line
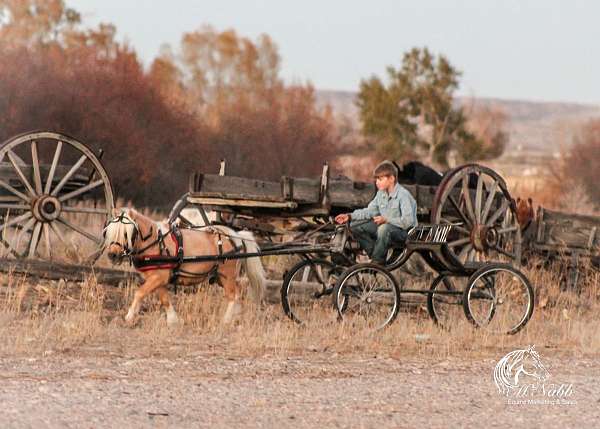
(513, 49)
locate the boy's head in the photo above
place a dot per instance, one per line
(385, 175)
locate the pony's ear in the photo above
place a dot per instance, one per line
(518, 200)
(530, 201)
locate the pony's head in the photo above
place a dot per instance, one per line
(123, 233)
(525, 212)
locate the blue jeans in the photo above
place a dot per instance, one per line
(377, 239)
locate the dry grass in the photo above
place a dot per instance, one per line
(40, 318)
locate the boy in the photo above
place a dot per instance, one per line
(387, 219)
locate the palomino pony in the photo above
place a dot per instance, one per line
(129, 234)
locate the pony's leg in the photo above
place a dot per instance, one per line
(150, 284)
(163, 295)
(232, 292)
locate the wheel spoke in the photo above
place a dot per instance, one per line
(37, 177)
(459, 242)
(459, 210)
(46, 230)
(463, 253)
(494, 217)
(35, 239)
(508, 229)
(59, 234)
(13, 161)
(91, 210)
(14, 191)
(504, 252)
(467, 195)
(67, 176)
(80, 191)
(478, 197)
(53, 167)
(306, 273)
(80, 230)
(16, 220)
(15, 206)
(20, 235)
(489, 201)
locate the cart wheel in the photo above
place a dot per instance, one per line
(52, 188)
(499, 298)
(477, 199)
(444, 303)
(306, 290)
(367, 296)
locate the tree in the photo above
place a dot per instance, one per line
(415, 114)
(261, 126)
(86, 84)
(488, 124)
(221, 67)
(583, 162)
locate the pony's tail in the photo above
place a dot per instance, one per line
(254, 267)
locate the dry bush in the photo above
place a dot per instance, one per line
(78, 317)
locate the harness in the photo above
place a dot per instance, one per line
(145, 263)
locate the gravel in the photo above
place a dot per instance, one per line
(106, 390)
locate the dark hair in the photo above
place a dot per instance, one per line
(386, 168)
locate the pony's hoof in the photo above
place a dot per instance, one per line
(174, 322)
(131, 322)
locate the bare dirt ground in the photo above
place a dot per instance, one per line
(195, 381)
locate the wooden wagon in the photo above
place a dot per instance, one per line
(473, 198)
(571, 238)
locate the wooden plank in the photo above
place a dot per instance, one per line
(231, 186)
(56, 271)
(568, 230)
(287, 188)
(214, 201)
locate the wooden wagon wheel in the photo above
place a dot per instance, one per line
(55, 197)
(476, 198)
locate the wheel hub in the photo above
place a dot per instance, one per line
(484, 237)
(47, 208)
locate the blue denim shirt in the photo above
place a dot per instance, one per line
(398, 208)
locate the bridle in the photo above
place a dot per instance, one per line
(126, 251)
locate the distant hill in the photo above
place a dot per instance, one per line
(541, 127)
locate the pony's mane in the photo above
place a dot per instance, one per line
(119, 232)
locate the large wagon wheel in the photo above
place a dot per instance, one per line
(477, 201)
(55, 197)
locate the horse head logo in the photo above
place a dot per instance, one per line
(518, 368)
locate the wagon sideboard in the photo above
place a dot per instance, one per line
(567, 232)
(293, 196)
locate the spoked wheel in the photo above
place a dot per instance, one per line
(444, 303)
(55, 197)
(306, 290)
(477, 201)
(367, 296)
(499, 298)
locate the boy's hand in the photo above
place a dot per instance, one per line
(342, 218)
(379, 220)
